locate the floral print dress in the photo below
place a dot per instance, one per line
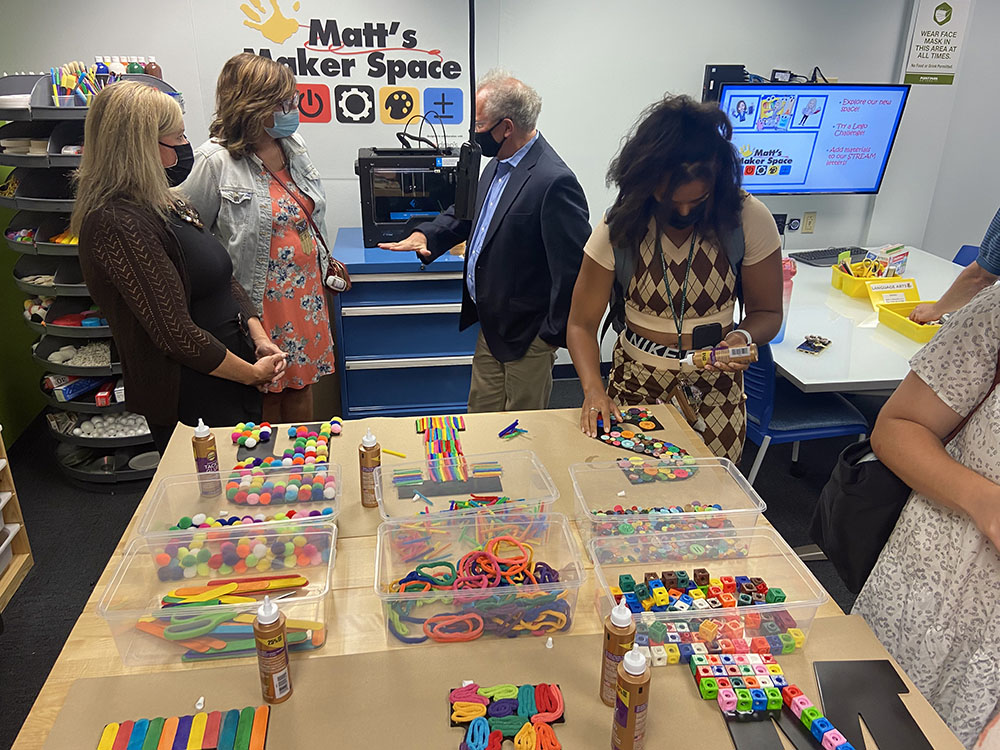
(933, 598)
(295, 313)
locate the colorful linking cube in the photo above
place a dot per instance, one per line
(724, 619)
(756, 701)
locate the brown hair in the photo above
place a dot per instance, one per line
(249, 89)
(121, 159)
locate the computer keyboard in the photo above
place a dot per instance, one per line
(827, 256)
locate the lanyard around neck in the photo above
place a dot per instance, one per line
(678, 319)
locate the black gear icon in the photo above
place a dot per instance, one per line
(354, 104)
(399, 104)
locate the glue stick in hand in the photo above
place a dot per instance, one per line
(740, 355)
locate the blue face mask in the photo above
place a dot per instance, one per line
(285, 123)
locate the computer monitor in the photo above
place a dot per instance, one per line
(813, 138)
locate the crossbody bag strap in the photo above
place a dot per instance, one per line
(294, 197)
(996, 381)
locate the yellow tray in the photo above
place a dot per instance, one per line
(852, 286)
(895, 315)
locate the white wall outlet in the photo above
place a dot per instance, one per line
(808, 222)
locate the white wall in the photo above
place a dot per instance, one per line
(597, 66)
(191, 41)
(967, 192)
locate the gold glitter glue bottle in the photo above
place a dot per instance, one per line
(628, 728)
(370, 459)
(619, 636)
(272, 652)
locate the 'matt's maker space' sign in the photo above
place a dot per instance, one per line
(361, 70)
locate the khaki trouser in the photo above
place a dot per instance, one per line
(525, 383)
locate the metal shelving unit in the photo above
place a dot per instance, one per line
(43, 200)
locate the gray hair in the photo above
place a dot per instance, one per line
(508, 97)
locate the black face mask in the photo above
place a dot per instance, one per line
(695, 215)
(185, 160)
(487, 143)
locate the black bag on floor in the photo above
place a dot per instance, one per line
(857, 511)
(860, 505)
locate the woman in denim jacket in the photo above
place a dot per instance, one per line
(256, 188)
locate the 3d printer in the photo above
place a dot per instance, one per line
(403, 187)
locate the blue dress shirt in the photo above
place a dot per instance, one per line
(989, 251)
(500, 180)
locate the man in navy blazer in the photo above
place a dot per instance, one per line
(523, 250)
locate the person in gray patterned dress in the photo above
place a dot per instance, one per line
(933, 598)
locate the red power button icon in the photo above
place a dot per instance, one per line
(314, 104)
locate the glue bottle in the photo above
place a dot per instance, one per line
(272, 653)
(628, 728)
(153, 68)
(206, 461)
(370, 459)
(742, 355)
(619, 636)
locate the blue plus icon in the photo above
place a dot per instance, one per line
(443, 106)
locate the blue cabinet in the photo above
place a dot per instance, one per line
(399, 349)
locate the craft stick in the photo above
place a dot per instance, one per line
(108, 736)
(124, 732)
(201, 644)
(258, 732)
(244, 644)
(231, 629)
(138, 735)
(211, 739)
(183, 730)
(169, 732)
(394, 453)
(197, 736)
(173, 601)
(153, 734)
(227, 735)
(255, 579)
(290, 624)
(186, 592)
(191, 657)
(243, 729)
(203, 593)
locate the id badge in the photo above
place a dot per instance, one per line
(306, 240)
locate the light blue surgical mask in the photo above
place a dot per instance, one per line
(285, 123)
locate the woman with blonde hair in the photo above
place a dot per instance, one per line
(181, 324)
(256, 188)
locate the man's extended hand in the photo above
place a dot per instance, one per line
(416, 242)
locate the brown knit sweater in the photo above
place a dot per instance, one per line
(134, 270)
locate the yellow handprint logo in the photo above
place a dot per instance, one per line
(272, 24)
(746, 151)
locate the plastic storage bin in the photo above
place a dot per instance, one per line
(416, 615)
(260, 494)
(855, 286)
(439, 485)
(132, 604)
(645, 483)
(755, 553)
(852, 286)
(896, 315)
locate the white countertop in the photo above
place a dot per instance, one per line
(863, 355)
